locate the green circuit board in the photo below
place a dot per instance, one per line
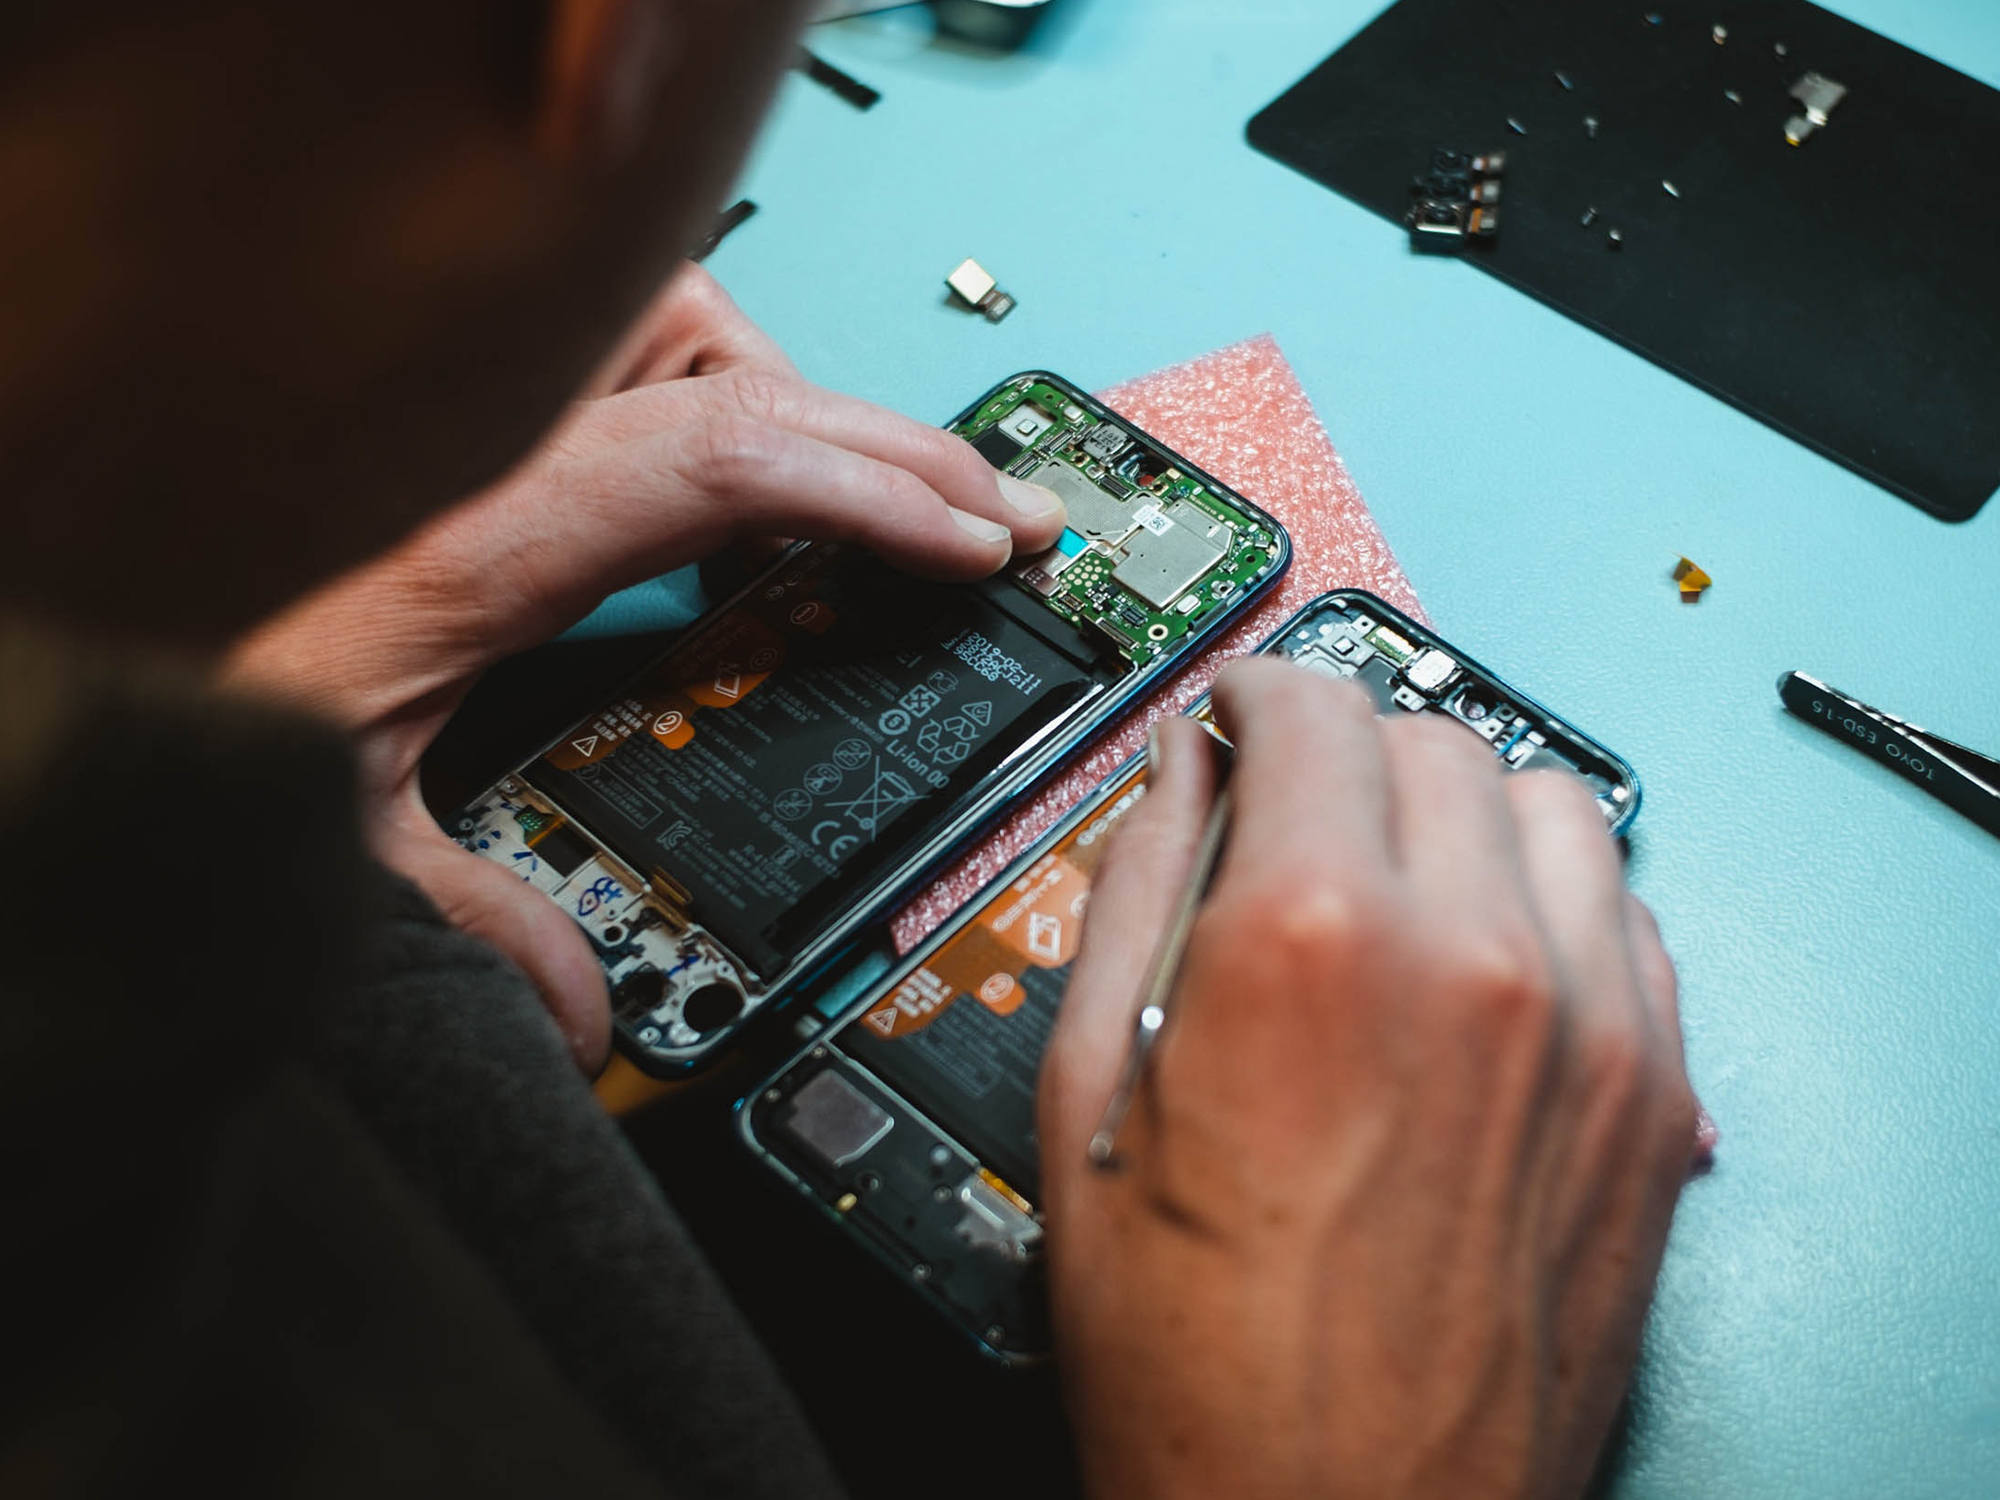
(1150, 549)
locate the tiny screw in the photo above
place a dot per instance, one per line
(1590, 126)
(772, 1096)
(940, 1156)
(995, 1333)
(1653, 18)
(1732, 96)
(1616, 239)
(941, 1194)
(1565, 80)
(1589, 217)
(1516, 126)
(921, 1271)
(1782, 50)
(1672, 191)
(819, 1052)
(1719, 32)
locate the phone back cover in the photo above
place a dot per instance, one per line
(1841, 290)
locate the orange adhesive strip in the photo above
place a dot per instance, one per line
(1241, 414)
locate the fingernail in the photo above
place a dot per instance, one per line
(978, 526)
(1030, 500)
(1707, 1134)
(1156, 763)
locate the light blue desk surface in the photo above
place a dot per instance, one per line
(1828, 1323)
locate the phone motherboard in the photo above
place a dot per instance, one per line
(1150, 548)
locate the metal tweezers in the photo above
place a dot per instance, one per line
(1160, 981)
(1962, 779)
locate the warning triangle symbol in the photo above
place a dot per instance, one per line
(981, 713)
(585, 745)
(883, 1020)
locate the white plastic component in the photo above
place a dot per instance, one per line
(971, 281)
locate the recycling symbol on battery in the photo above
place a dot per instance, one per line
(950, 741)
(964, 726)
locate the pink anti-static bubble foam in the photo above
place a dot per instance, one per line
(1241, 414)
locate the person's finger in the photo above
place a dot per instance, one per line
(1141, 881)
(692, 327)
(945, 462)
(1657, 979)
(481, 898)
(1623, 1058)
(1576, 885)
(1311, 787)
(1452, 829)
(605, 523)
(1660, 983)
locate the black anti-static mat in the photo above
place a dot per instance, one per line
(1846, 291)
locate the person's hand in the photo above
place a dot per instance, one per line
(1395, 1187)
(697, 434)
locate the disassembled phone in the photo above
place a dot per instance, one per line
(812, 748)
(910, 1120)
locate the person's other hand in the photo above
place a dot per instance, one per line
(698, 433)
(1397, 1181)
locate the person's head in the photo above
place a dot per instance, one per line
(278, 281)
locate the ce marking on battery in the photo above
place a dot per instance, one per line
(837, 847)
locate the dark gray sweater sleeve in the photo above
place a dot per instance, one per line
(443, 1050)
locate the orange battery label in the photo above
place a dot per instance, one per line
(722, 668)
(1035, 923)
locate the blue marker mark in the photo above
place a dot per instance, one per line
(601, 890)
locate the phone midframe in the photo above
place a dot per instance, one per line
(705, 902)
(909, 1120)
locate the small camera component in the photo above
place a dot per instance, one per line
(1457, 203)
(1818, 94)
(973, 284)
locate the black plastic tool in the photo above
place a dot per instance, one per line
(1962, 779)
